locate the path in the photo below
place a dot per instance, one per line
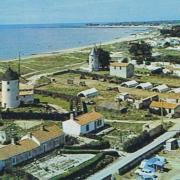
(127, 121)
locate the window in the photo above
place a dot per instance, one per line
(8, 82)
(13, 160)
(87, 127)
(169, 110)
(29, 154)
(8, 89)
(99, 123)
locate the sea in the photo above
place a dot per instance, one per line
(41, 38)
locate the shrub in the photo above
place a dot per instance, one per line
(136, 143)
(96, 145)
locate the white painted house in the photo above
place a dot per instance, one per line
(10, 89)
(93, 60)
(83, 124)
(170, 109)
(122, 70)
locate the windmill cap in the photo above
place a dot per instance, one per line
(10, 75)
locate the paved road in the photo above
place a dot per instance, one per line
(121, 162)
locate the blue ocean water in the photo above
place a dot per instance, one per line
(35, 39)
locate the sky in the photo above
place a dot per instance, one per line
(78, 11)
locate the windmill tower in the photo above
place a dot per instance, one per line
(93, 60)
(10, 89)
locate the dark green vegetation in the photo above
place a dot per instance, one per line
(140, 51)
(173, 32)
(104, 58)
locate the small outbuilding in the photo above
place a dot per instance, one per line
(122, 96)
(145, 86)
(26, 97)
(155, 69)
(175, 90)
(122, 70)
(130, 84)
(89, 93)
(171, 144)
(161, 88)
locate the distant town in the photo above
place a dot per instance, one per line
(107, 111)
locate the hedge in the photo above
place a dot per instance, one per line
(96, 145)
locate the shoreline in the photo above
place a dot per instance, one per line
(133, 37)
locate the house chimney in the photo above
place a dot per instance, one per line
(42, 127)
(71, 116)
(13, 141)
(29, 135)
(94, 108)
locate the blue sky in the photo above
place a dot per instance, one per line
(74, 11)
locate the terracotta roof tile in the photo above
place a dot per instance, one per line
(163, 104)
(19, 148)
(48, 133)
(116, 64)
(88, 117)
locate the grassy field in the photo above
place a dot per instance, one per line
(121, 132)
(105, 96)
(171, 81)
(46, 64)
(55, 101)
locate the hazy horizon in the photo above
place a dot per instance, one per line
(83, 11)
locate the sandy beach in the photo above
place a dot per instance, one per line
(133, 37)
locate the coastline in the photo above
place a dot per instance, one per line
(132, 37)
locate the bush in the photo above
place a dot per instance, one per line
(136, 143)
(96, 145)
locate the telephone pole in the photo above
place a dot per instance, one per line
(19, 65)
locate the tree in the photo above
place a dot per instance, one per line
(125, 60)
(71, 105)
(173, 32)
(104, 58)
(140, 51)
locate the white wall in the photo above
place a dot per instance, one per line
(171, 100)
(71, 127)
(91, 127)
(93, 63)
(123, 72)
(10, 94)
